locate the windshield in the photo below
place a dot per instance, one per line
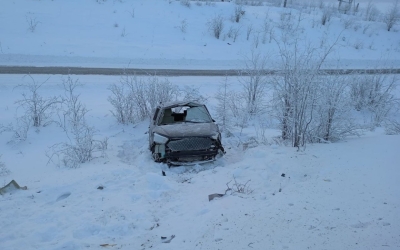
(197, 114)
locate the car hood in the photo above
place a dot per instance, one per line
(187, 129)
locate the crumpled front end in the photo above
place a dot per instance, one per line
(188, 150)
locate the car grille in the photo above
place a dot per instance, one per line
(191, 143)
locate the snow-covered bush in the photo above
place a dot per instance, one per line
(238, 13)
(134, 99)
(254, 82)
(375, 94)
(19, 130)
(82, 145)
(297, 90)
(332, 120)
(38, 108)
(392, 127)
(216, 25)
(392, 15)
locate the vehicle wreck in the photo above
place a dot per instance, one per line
(184, 133)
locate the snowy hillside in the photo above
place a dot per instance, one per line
(342, 193)
(169, 34)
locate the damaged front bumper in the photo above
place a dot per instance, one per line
(188, 151)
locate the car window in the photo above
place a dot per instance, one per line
(197, 114)
(167, 117)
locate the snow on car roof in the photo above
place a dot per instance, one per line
(179, 103)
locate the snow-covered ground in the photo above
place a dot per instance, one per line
(342, 195)
(167, 34)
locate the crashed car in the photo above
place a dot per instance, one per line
(183, 133)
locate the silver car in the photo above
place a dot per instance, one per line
(183, 133)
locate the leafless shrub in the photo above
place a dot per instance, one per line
(392, 16)
(216, 25)
(332, 117)
(366, 27)
(134, 99)
(183, 26)
(326, 15)
(348, 22)
(81, 146)
(261, 129)
(256, 40)
(19, 130)
(132, 13)
(123, 32)
(233, 33)
(189, 93)
(392, 127)
(358, 44)
(222, 109)
(185, 3)
(236, 187)
(296, 90)
(239, 12)
(38, 108)
(371, 12)
(32, 23)
(248, 31)
(375, 94)
(254, 82)
(285, 21)
(4, 171)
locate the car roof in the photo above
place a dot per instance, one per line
(179, 103)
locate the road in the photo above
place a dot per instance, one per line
(162, 72)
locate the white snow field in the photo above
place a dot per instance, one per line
(341, 195)
(167, 34)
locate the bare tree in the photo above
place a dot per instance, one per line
(392, 15)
